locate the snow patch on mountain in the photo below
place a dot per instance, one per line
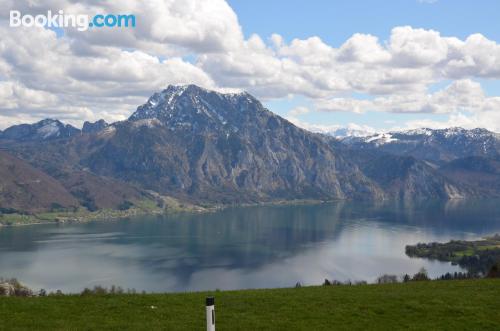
(48, 130)
(382, 138)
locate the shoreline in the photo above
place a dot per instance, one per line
(106, 214)
(144, 208)
(97, 216)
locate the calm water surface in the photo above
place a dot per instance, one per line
(253, 247)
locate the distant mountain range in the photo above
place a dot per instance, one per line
(436, 146)
(207, 147)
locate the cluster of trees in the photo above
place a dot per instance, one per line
(12, 287)
(475, 256)
(481, 262)
(421, 275)
(100, 290)
(384, 279)
(456, 275)
(347, 282)
(437, 251)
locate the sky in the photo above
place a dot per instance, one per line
(365, 65)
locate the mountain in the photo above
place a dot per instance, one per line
(24, 188)
(337, 131)
(224, 148)
(44, 130)
(435, 146)
(201, 146)
(478, 171)
(406, 177)
(96, 192)
(95, 127)
(343, 132)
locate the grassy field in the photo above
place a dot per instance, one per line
(436, 305)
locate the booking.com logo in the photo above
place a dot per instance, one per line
(62, 20)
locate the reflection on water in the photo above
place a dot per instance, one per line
(269, 246)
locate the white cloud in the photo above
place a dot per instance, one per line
(109, 72)
(409, 62)
(300, 110)
(363, 48)
(44, 77)
(417, 47)
(460, 96)
(427, 1)
(161, 25)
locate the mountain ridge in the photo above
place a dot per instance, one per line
(204, 146)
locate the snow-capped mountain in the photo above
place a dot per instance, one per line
(224, 147)
(436, 145)
(189, 107)
(343, 132)
(336, 131)
(204, 146)
(43, 130)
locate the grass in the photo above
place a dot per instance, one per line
(436, 305)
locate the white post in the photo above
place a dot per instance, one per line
(210, 303)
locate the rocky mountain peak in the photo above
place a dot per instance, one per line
(191, 107)
(89, 127)
(43, 130)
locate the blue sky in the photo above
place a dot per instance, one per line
(336, 21)
(390, 64)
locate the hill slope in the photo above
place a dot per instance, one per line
(24, 188)
(436, 305)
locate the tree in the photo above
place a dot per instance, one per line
(421, 275)
(387, 279)
(494, 271)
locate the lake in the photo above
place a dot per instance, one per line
(244, 247)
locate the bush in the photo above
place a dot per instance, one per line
(56, 207)
(100, 290)
(387, 279)
(421, 275)
(494, 271)
(125, 205)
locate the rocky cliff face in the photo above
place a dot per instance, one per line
(95, 127)
(225, 148)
